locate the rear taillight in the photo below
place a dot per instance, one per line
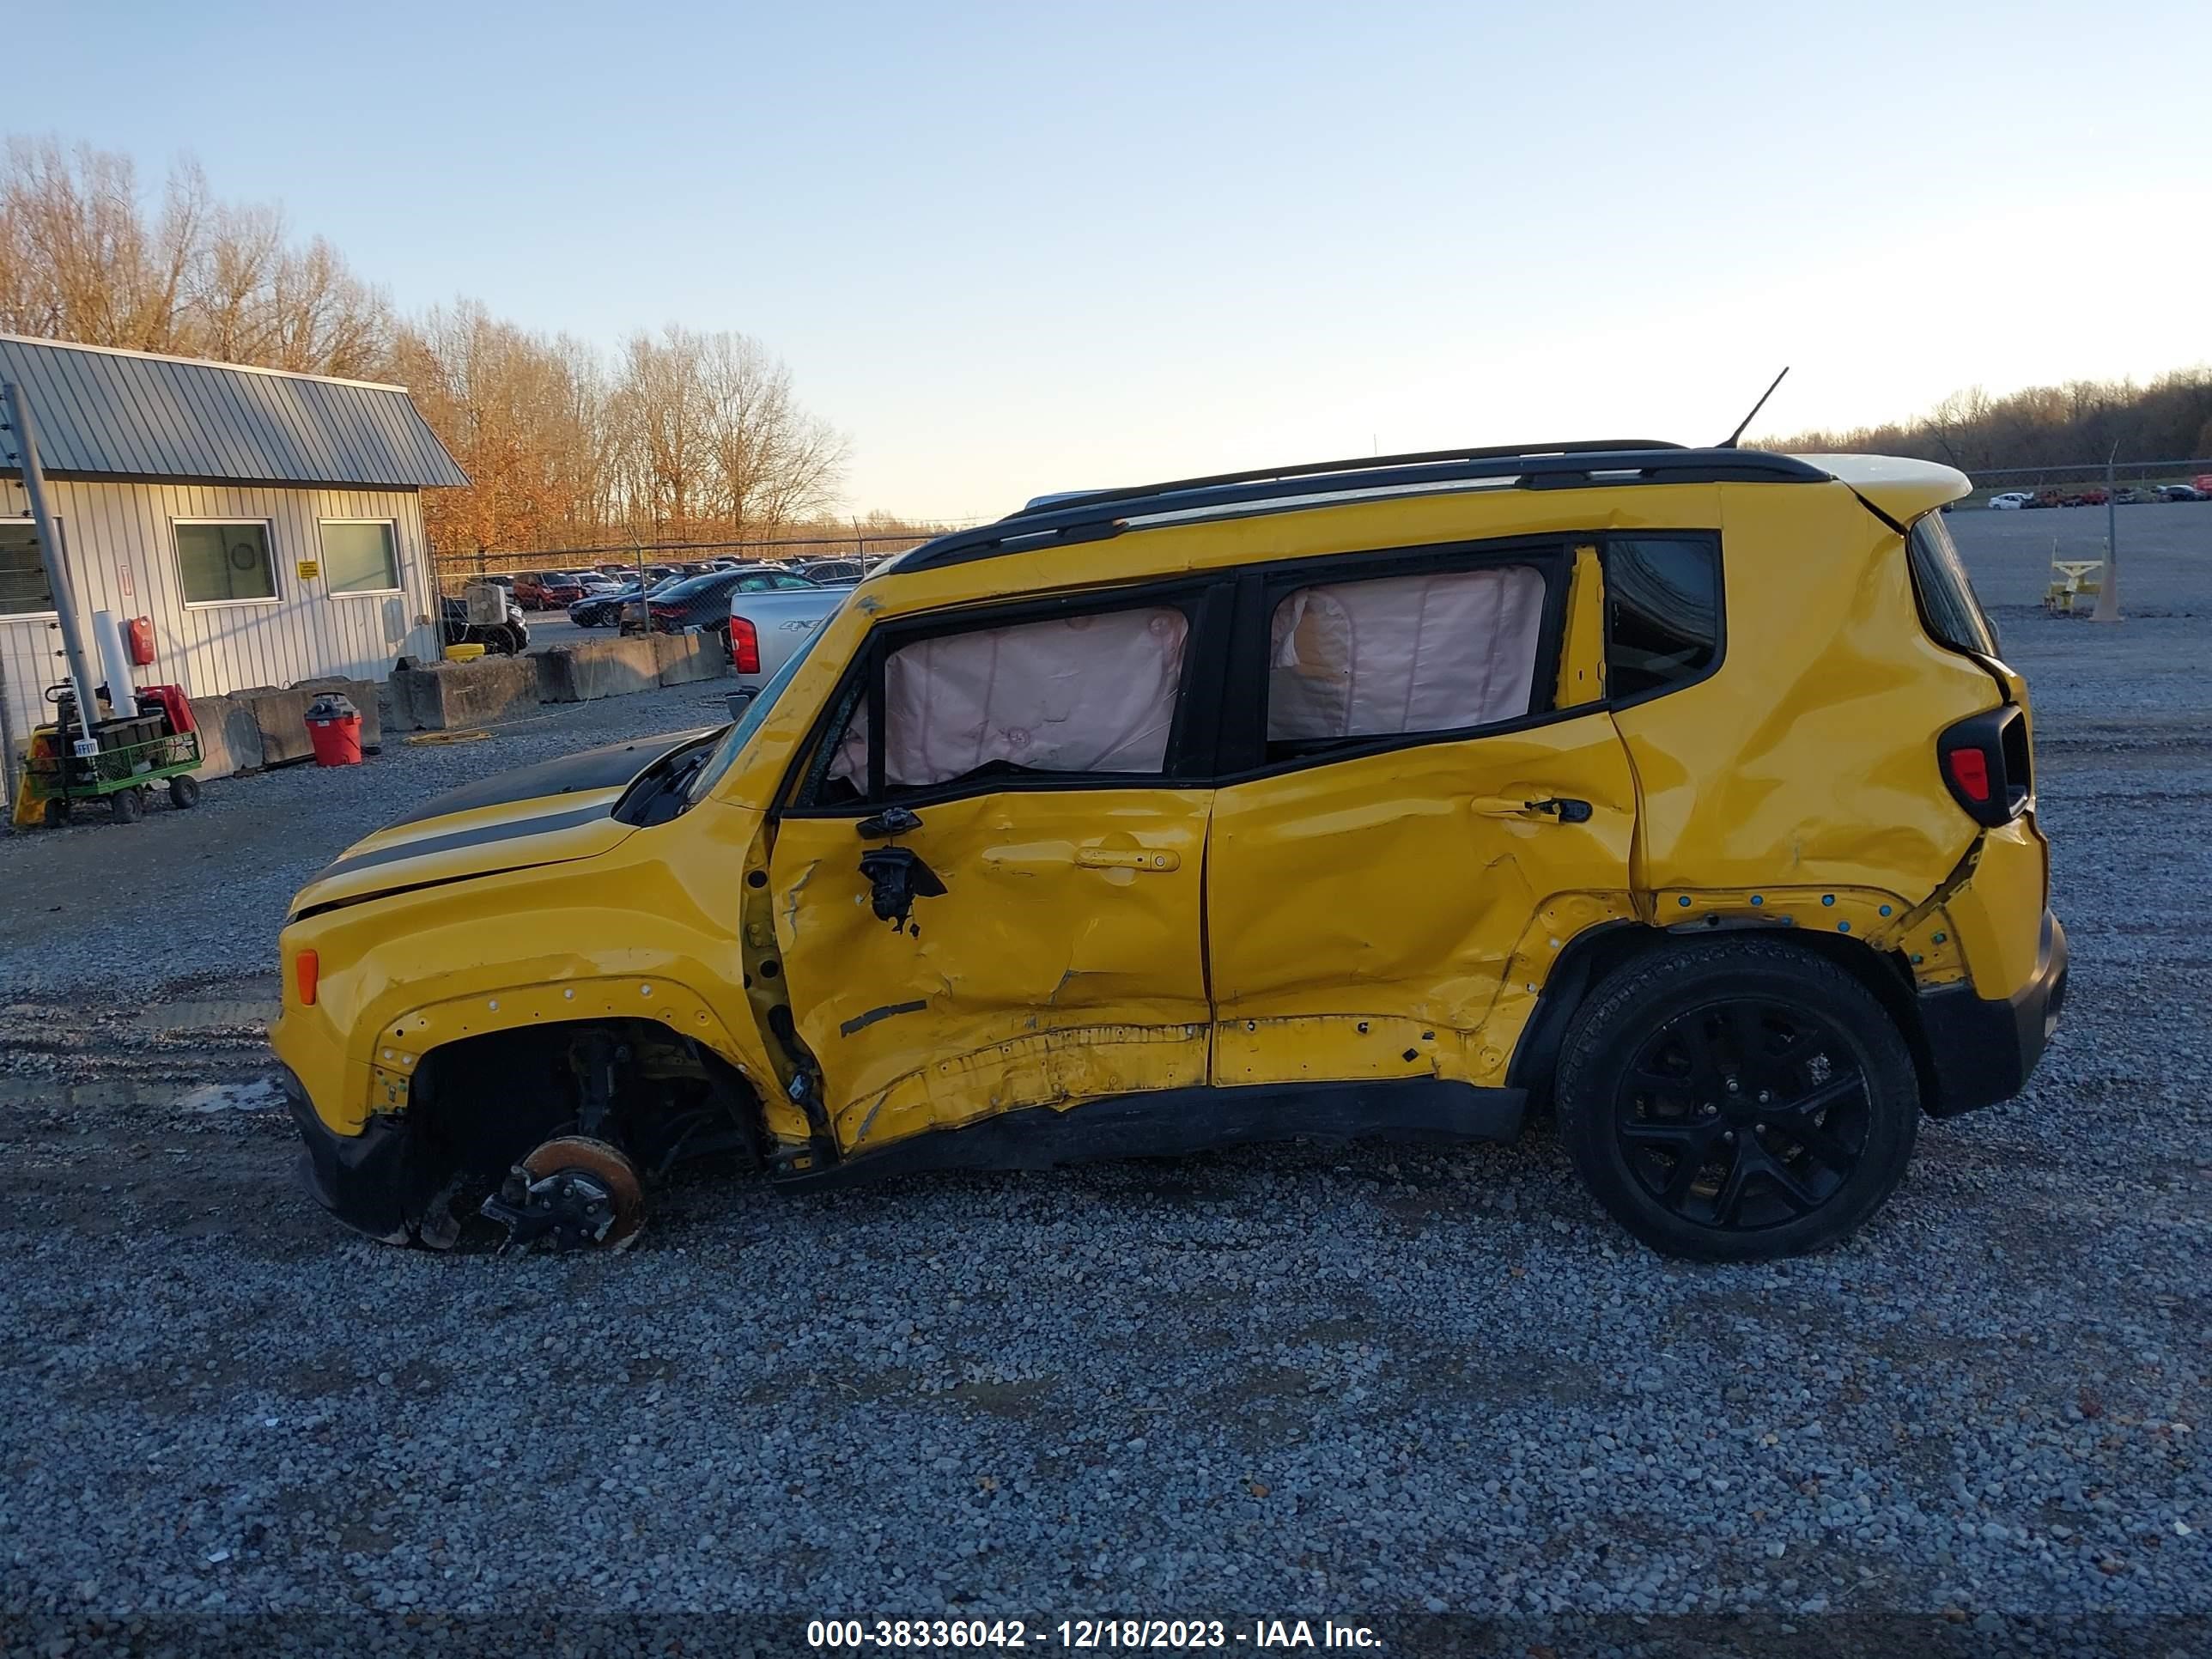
(744, 645)
(1986, 764)
(1970, 774)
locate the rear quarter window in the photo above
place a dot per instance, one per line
(1663, 613)
(1948, 608)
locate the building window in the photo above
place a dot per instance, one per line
(225, 563)
(25, 590)
(360, 555)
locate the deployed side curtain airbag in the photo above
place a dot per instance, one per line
(1404, 653)
(1078, 694)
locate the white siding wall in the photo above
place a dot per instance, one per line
(119, 536)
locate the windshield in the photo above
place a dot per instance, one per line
(756, 712)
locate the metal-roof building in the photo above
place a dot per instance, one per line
(269, 525)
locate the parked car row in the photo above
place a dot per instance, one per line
(553, 590)
(604, 609)
(701, 604)
(2199, 489)
(690, 594)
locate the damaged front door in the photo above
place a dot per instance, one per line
(988, 896)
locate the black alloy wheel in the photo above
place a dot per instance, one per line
(1743, 1113)
(1737, 1101)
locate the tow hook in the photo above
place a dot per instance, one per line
(571, 1192)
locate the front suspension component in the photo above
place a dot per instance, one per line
(571, 1192)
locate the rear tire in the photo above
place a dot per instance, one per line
(58, 813)
(184, 792)
(124, 806)
(1737, 1102)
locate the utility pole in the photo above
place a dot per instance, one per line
(50, 549)
(2108, 589)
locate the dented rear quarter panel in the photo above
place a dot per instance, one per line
(1810, 757)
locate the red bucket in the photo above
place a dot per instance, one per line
(334, 728)
(338, 742)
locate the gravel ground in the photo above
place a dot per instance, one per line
(1420, 1388)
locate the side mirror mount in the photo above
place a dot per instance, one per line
(897, 878)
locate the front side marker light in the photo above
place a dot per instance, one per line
(307, 970)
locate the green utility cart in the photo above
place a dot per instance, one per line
(129, 762)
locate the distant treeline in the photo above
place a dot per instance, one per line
(2044, 427)
(676, 436)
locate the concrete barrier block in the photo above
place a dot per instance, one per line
(230, 736)
(681, 658)
(364, 694)
(445, 697)
(282, 718)
(596, 668)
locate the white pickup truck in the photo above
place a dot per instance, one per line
(765, 629)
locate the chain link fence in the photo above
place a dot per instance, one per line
(2085, 482)
(624, 561)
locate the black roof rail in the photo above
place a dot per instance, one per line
(1101, 515)
(1314, 469)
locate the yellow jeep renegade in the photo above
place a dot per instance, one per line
(1681, 790)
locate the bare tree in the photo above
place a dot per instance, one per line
(84, 255)
(83, 261)
(519, 414)
(2070, 425)
(659, 409)
(685, 434)
(775, 464)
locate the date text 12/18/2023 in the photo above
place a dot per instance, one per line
(1090, 1634)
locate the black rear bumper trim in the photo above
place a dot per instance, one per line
(1984, 1049)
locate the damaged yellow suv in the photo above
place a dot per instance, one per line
(1681, 791)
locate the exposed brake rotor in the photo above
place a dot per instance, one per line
(571, 1192)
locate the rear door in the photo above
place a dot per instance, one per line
(989, 880)
(1433, 799)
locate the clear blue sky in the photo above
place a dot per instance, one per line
(1025, 247)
